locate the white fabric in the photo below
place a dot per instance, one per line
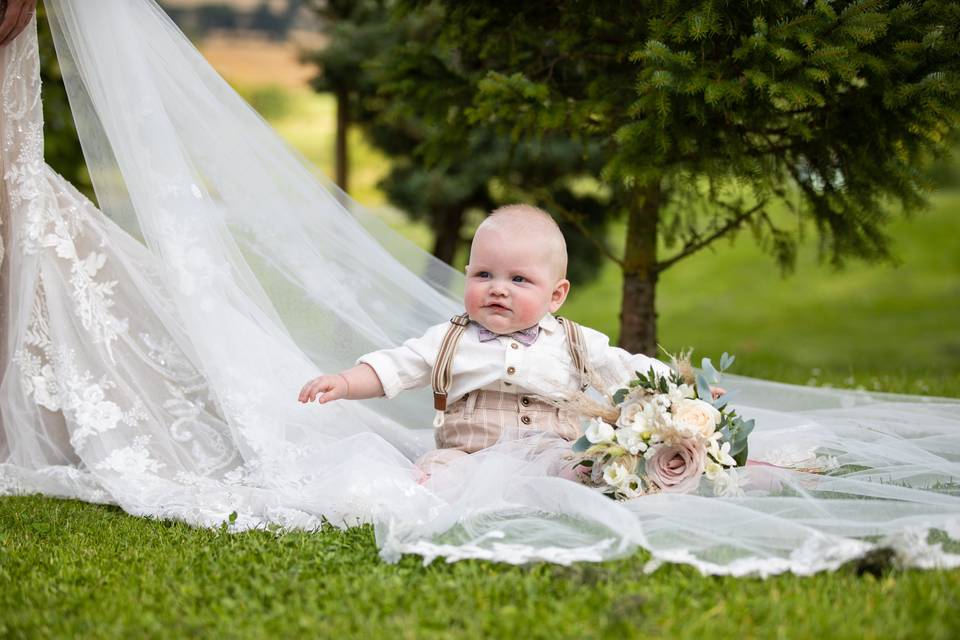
(154, 357)
(544, 368)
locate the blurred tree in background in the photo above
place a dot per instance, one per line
(61, 146)
(439, 174)
(699, 117)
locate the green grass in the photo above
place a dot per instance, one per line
(72, 569)
(853, 325)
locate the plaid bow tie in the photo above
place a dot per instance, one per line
(524, 336)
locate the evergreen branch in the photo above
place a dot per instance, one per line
(694, 245)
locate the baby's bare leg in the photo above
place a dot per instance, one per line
(433, 461)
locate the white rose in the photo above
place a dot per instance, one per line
(697, 417)
(599, 432)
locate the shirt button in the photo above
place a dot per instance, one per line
(525, 419)
(509, 384)
(525, 401)
(514, 345)
(511, 370)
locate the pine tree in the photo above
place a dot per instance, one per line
(704, 115)
(394, 79)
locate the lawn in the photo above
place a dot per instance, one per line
(69, 569)
(73, 569)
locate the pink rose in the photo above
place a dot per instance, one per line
(676, 468)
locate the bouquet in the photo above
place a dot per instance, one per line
(663, 433)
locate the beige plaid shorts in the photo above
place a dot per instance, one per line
(481, 418)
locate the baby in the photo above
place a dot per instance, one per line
(507, 363)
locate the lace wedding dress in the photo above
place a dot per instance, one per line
(154, 354)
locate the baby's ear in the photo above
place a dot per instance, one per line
(559, 295)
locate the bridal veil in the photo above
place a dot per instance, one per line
(156, 345)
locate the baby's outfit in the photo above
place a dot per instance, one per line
(502, 389)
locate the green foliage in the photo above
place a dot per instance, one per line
(713, 112)
(270, 101)
(404, 91)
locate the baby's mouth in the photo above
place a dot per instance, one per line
(497, 307)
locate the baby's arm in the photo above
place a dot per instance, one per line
(358, 383)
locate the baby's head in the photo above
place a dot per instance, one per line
(517, 270)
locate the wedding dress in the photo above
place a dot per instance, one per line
(154, 354)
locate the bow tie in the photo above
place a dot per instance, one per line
(524, 336)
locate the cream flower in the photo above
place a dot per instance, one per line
(696, 417)
(729, 484)
(713, 470)
(599, 431)
(616, 475)
(721, 453)
(631, 440)
(631, 487)
(629, 413)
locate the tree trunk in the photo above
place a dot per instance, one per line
(340, 149)
(445, 243)
(638, 316)
(447, 237)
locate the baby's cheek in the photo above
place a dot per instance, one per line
(529, 310)
(472, 299)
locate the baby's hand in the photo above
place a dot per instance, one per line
(716, 392)
(327, 388)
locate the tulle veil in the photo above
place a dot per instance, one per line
(154, 353)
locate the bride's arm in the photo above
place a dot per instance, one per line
(16, 16)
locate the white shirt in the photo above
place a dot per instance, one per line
(544, 368)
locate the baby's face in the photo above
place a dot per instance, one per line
(512, 282)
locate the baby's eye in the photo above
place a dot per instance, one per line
(482, 274)
(519, 279)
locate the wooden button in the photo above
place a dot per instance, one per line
(525, 401)
(525, 419)
(511, 370)
(514, 345)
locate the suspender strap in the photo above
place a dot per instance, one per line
(578, 352)
(442, 369)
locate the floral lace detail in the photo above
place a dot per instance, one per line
(57, 384)
(133, 459)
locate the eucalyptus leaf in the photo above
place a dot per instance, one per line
(641, 467)
(741, 458)
(709, 371)
(581, 445)
(620, 395)
(703, 389)
(726, 361)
